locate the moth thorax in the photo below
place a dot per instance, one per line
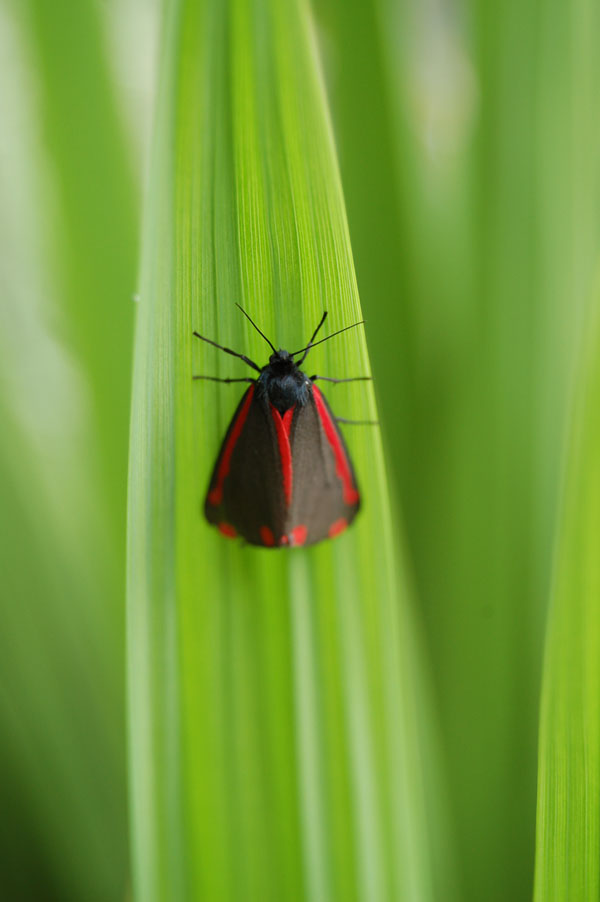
(285, 391)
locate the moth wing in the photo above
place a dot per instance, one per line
(245, 495)
(325, 496)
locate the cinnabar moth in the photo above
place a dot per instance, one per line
(283, 476)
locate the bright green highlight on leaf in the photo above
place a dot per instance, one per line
(568, 836)
(65, 298)
(279, 719)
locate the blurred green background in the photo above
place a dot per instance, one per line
(467, 140)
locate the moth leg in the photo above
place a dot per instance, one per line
(229, 351)
(218, 379)
(357, 422)
(351, 379)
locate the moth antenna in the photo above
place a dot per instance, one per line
(314, 335)
(327, 337)
(257, 329)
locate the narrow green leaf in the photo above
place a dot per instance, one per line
(279, 721)
(568, 817)
(66, 225)
(469, 166)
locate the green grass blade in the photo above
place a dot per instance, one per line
(279, 719)
(95, 253)
(67, 233)
(568, 817)
(468, 165)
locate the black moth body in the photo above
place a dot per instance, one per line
(283, 476)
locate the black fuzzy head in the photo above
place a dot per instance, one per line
(283, 383)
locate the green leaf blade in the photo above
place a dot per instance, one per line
(568, 813)
(281, 744)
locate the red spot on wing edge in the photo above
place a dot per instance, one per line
(215, 496)
(227, 530)
(342, 465)
(266, 536)
(298, 535)
(337, 527)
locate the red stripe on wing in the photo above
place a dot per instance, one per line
(287, 420)
(342, 466)
(282, 428)
(215, 496)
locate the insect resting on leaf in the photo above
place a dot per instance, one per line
(283, 476)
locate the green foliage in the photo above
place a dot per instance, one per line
(567, 863)
(467, 162)
(283, 741)
(68, 274)
(276, 699)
